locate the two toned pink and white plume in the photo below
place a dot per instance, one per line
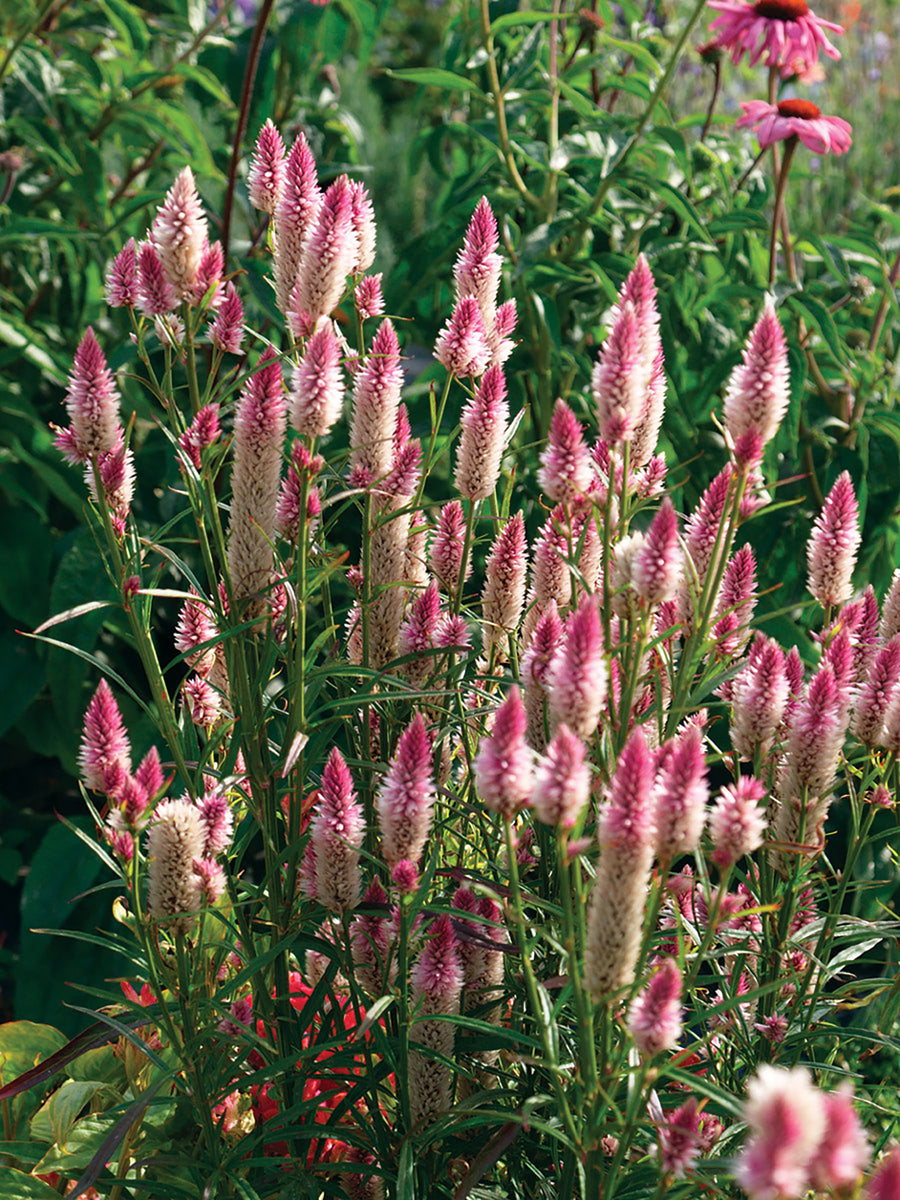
(462, 345)
(92, 402)
(105, 755)
(759, 388)
(503, 595)
(619, 381)
(736, 821)
(436, 986)
(295, 211)
(377, 389)
(759, 698)
(267, 167)
(681, 792)
(639, 289)
(785, 1114)
(330, 251)
(576, 681)
(405, 799)
(180, 234)
(483, 432)
(504, 764)
(834, 544)
(562, 781)
(656, 567)
(654, 1016)
(317, 386)
(337, 831)
(477, 275)
(565, 474)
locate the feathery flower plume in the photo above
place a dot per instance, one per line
(736, 822)
(616, 907)
(405, 799)
(844, 1152)
(679, 1139)
(562, 781)
(155, 294)
(210, 879)
(504, 764)
(115, 467)
(363, 217)
(577, 677)
(884, 1182)
(359, 1185)
(477, 269)
(317, 388)
(618, 382)
(298, 201)
(700, 538)
(877, 694)
(500, 338)
(370, 941)
(176, 841)
(551, 579)
(654, 1015)
(105, 755)
(759, 388)
(436, 984)
(565, 472)
(196, 627)
(149, 774)
(832, 548)
(368, 298)
(461, 345)
(287, 510)
(786, 1117)
(179, 234)
(657, 564)
(405, 877)
(202, 701)
(121, 278)
(92, 402)
(417, 633)
(639, 289)
(447, 547)
(337, 830)
(624, 597)
(218, 823)
(259, 429)
(226, 332)
(483, 429)
(890, 616)
(329, 253)
(784, 33)
(504, 584)
(681, 796)
(209, 277)
(389, 569)
(376, 400)
(545, 639)
(203, 431)
(266, 175)
(862, 618)
(759, 698)
(736, 602)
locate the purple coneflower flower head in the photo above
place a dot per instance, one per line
(218, 823)
(654, 1016)
(565, 472)
(317, 388)
(376, 400)
(483, 429)
(295, 211)
(266, 175)
(656, 568)
(759, 388)
(155, 294)
(877, 693)
(844, 1152)
(368, 298)
(562, 781)
(679, 1139)
(176, 839)
(783, 33)
(195, 627)
(796, 118)
(203, 431)
(105, 755)
(405, 800)
(363, 217)
(149, 774)
(122, 278)
(461, 345)
(786, 1117)
(833, 546)
(92, 402)
(577, 678)
(435, 986)
(259, 429)
(179, 234)
(681, 795)
(504, 584)
(884, 1182)
(504, 764)
(736, 602)
(759, 698)
(337, 830)
(447, 547)
(329, 253)
(618, 381)
(736, 822)
(226, 332)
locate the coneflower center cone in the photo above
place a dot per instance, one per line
(781, 10)
(805, 109)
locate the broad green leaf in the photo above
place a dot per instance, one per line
(84, 1140)
(436, 77)
(17, 1186)
(56, 1116)
(23, 1044)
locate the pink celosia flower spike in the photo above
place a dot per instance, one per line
(616, 908)
(436, 985)
(565, 472)
(149, 774)
(679, 1139)
(504, 584)
(176, 841)
(619, 381)
(418, 632)
(844, 1152)
(317, 388)
(290, 497)
(477, 269)
(266, 175)
(737, 600)
(736, 822)
(329, 253)
(227, 330)
(783, 33)
(461, 345)
(884, 1182)
(203, 431)
(545, 639)
(701, 535)
(370, 941)
(337, 829)
(376, 401)
(786, 1117)
(639, 289)
(92, 402)
(121, 278)
(105, 755)
(363, 216)
(654, 1016)
(368, 298)
(877, 693)
(681, 796)
(447, 546)
(504, 764)
(483, 429)
(832, 549)
(179, 234)
(195, 627)
(759, 697)
(759, 388)
(656, 567)
(259, 428)
(405, 800)
(209, 277)
(155, 295)
(562, 782)
(577, 678)
(298, 203)
(890, 617)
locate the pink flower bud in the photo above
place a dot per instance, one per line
(368, 298)
(654, 1016)
(179, 234)
(376, 400)
(317, 389)
(679, 1139)
(417, 633)
(266, 175)
(736, 822)
(370, 939)
(329, 253)
(337, 831)
(203, 702)
(786, 1117)
(504, 585)
(657, 564)
(105, 755)
(477, 269)
(121, 278)
(363, 216)
(483, 430)
(405, 800)
(565, 472)
(227, 331)
(562, 782)
(832, 548)
(149, 774)
(196, 627)
(209, 276)
(736, 603)
(701, 534)
(759, 388)
(203, 431)
(155, 294)
(545, 639)
(298, 202)
(461, 345)
(577, 677)
(92, 402)
(210, 879)
(218, 823)
(504, 766)
(619, 379)
(681, 796)
(447, 546)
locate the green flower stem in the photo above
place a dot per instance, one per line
(404, 1015)
(191, 1057)
(437, 416)
(778, 215)
(468, 543)
(574, 957)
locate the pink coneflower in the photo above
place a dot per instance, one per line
(679, 1139)
(483, 429)
(461, 345)
(447, 547)
(376, 401)
(435, 987)
(179, 234)
(796, 118)
(121, 278)
(368, 298)
(783, 32)
(657, 564)
(654, 1016)
(92, 402)
(736, 822)
(619, 380)
(786, 1117)
(565, 472)
(504, 764)
(681, 796)
(844, 1151)
(562, 782)
(504, 585)
(298, 203)
(266, 175)
(317, 387)
(203, 431)
(227, 330)
(337, 831)
(405, 799)
(105, 755)
(833, 545)
(759, 388)
(329, 253)
(577, 678)
(363, 217)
